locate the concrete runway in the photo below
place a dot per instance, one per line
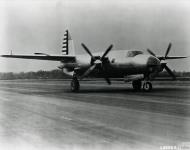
(41, 114)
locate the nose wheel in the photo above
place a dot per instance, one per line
(75, 86)
(147, 86)
(137, 85)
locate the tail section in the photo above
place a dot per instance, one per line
(68, 44)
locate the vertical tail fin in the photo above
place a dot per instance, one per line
(68, 44)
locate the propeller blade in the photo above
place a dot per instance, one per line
(150, 52)
(169, 71)
(87, 50)
(108, 80)
(88, 71)
(106, 52)
(168, 49)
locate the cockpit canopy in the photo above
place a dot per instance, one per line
(133, 53)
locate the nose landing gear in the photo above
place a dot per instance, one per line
(137, 85)
(147, 86)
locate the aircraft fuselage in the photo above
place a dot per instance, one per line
(120, 65)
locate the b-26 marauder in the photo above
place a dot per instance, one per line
(132, 65)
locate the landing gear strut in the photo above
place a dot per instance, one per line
(137, 85)
(147, 86)
(75, 86)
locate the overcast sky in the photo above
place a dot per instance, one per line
(38, 26)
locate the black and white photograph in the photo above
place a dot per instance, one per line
(94, 74)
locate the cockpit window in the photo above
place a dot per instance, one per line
(133, 53)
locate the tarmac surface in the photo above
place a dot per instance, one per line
(44, 114)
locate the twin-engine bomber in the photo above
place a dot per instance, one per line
(132, 65)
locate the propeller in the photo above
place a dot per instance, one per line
(169, 71)
(168, 50)
(96, 61)
(106, 52)
(163, 58)
(151, 52)
(88, 71)
(87, 50)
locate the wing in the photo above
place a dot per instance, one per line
(46, 57)
(171, 57)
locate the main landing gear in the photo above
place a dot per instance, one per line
(75, 86)
(137, 85)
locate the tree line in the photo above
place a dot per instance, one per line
(58, 74)
(41, 74)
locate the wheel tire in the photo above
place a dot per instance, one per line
(75, 86)
(147, 86)
(137, 85)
